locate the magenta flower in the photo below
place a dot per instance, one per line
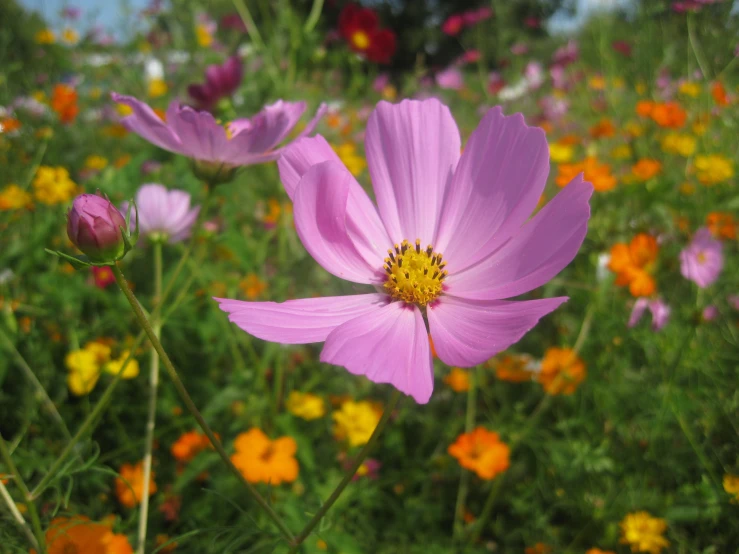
(567, 54)
(450, 78)
(164, 214)
(217, 149)
(221, 81)
(702, 260)
(96, 227)
(447, 242)
(660, 312)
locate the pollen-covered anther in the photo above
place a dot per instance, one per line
(414, 275)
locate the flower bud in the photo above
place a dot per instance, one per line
(97, 228)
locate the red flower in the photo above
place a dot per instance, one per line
(453, 25)
(359, 27)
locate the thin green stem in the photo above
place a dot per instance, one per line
(464, 480)
(349, 475)
(152, 413)
(28, 499)
(313, 16)
(185, 396)
(584, 328)
(17, 516)
(497, 484)
(31, 376)
(697, 50)
(256, 38)
(86, 425)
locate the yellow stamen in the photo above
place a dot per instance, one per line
(361, 40)
(414, 275)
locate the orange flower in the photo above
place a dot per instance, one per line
(599, 551)
(594, 172)
(721, 225)
(9, 124)
(668, 114)
(64, 103)
(261, 460)
(644, 108)
(538, 548)
(646, 168)
(481, 451)
(252, 286)
(561, 371)
(514, 368)
(189, 445)
(129, 486)
(458, 380)
(79, 535)
(632, 263)
(603, 129)
(719, 94)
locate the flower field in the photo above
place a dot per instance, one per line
(306, 277)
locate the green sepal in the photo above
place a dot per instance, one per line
(77, 262)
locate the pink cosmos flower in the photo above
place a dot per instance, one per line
(450, 78)
(164, 214)
(703, 259)
(447, 242)
(660, 312)
(710, 313)
(199, 136)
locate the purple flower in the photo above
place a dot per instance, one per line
(164, 214)
(380, 82)
(217, 150)
(221, 81)
(96, 227)
(450, 78)
(660, 312)
(450, 238)
(702, 260)
(710, 313)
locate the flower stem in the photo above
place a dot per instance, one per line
(315, 520)
(28, 499)
(490, 502)
(464, 480)
(40, 391)
(313, 16)
(185, 396)
(153, 388)
(17, 516)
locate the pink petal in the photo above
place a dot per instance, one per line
(640, 306)
(496, 186)
(299, 156)
(388, 345)
(540, 250)
(321, 221)
(201, 136)
(469, 332)
(363, 222)
(147, 124)
(412, 149)
(299, 321)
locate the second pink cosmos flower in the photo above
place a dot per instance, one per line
(449, 238)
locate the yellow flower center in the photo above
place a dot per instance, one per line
(361, 40)
(414, 275)
(701, 258)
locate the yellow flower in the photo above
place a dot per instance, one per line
(689, 88)
(305, 405)
(44, 133)
(676, 143)
(643, 533)
(129, 372)
(123, 110)
(355, 422)
(622, 152)
(100, 350)
(731, 486)
(353, 161)
(597, 82)
(713, 169)
(13, 197)
(458, 380)
(96, 162)
(389, 93)
(70, 36)
(561, 153)
(96, 93)
(205, 39)
(634, 129)
(84, 371)
(52, 185)
(641, 87)
(45, 37)
(157, 88)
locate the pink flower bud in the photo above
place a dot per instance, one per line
(94, 226)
